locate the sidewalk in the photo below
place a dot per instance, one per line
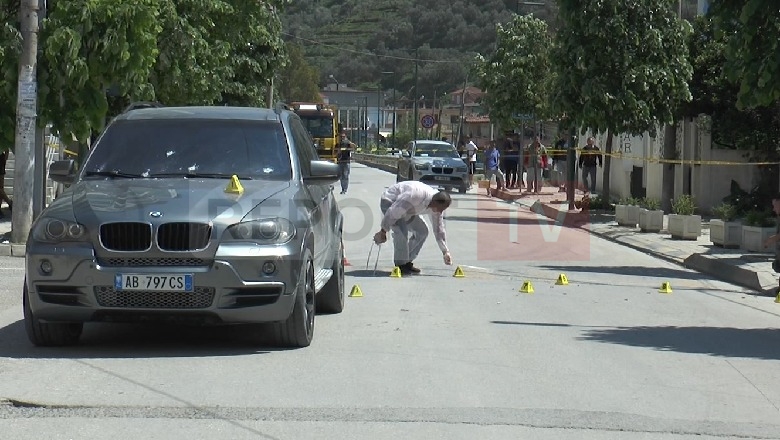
(736, 266)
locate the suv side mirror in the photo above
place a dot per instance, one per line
(323, 171)
(63, 171)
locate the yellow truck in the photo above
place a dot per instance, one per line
(322, 121)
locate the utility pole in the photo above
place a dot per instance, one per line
(26, 121)
(41, 147)
(416, 116)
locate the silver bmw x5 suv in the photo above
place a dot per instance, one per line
(211, 215)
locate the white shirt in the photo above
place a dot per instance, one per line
(412, 198)
(471, 146)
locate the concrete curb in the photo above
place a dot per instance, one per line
(698, 262)
(12, 250)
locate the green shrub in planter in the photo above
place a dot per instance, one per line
(650, 204)
(684, 205)
(760, 219)
(725, 211)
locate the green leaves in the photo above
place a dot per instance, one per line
(622, 65)
(753, 49)
(516, 76)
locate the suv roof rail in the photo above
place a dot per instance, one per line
(280, 105)
(142, 104)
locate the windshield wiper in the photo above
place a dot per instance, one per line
(113, 173)
(200, 175)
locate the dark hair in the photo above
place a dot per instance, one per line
(442, 198)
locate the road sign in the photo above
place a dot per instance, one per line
(428, 121)
(523, 116)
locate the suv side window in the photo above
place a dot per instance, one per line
(304, 146)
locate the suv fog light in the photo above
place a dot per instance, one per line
(46, 267)
(269, 268)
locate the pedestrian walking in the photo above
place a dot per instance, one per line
(402, 204)
(588, 158)
(492, 159)
(344, 157)
(3, 196)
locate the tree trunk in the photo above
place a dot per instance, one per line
(669, 152)
(607, 164)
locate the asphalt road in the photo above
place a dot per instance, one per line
(430, 356)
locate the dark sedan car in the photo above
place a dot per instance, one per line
(211, 215)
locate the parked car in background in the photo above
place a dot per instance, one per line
(436, 163)
(207, 215)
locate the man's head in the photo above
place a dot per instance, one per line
(440, 201)
(590, 140)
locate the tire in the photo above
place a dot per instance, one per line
(298, 330)
(331, 298)
(48, 334)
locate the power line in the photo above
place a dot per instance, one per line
(362, 52)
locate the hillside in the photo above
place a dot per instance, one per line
(356, 40)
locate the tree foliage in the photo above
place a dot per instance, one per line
(299, 80)
(10, 48)
(622, 64)
(753, 50)
(516, 76)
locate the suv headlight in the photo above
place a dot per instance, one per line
(421, 166)
(461, 169)
(263, 231)
(52, 230)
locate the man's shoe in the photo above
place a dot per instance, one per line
(411, 267)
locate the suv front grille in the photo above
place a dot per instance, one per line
(440, 170)
(200, 298)
(126, 236)
(147, 262)
(180, 237)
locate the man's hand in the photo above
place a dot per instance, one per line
(380, 237)
(447, 258)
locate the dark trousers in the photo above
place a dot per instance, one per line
(510, 171)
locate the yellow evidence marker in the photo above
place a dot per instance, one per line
(356, 292)
(666, 287)
(527, 287)
(562, 280)
(458, 273)
(396, 273)
(234, 187)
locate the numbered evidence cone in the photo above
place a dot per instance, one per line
(777, 298)
(527, 287)
(666, 287)
(356, 292)
(562, 280)
(396, 273)
(459, 273)
(234, 187)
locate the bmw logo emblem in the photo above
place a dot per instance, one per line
(155, 214)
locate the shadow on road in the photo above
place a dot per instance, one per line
(758, 343)
(148, 340)
(662, 273)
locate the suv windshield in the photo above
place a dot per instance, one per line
(211, 148)
(435, 150)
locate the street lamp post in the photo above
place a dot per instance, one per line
(334, 80)
(416, 122)
(393, 135)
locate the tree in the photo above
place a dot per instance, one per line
(516, 76)
(753, 50)
(621, 67)
(299, 80)
(10, 48)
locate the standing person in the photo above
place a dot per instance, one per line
(775, 239)
(511, 157)
(587, 162)
(471, 154)
(402, 205)
(537, 156)
(560, 164)
(344, 155)
(3, 196)
(492, 159)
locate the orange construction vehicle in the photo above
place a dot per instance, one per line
(322, 121)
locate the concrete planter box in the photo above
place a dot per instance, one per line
(651, 221)
(726, 234)
(753, 238)
(627, 215)
(685, 227)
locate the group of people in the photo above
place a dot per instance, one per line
(511, 162)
